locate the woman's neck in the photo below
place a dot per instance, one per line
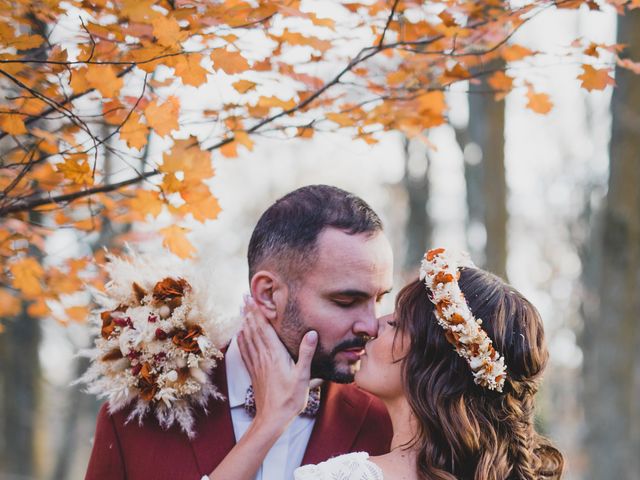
(403, 422)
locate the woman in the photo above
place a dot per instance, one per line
(460, 392)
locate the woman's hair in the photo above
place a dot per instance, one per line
(465, 431)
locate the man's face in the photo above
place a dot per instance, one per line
(338, 297)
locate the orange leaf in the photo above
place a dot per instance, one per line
(77, 313)
(77, 169)
(539, 102)
(229, 150)
(243, 86)
(163, 118)
(512, 53)
(27, 274)
(175, 239)
(134, 132)
(187, 156)
(12, 123)
(188, 68)
(243, 139)
(230, 62)
(104, 79)
(38, 308)
(341, 119)
(200, 203)
(167, 30)
(146, 202)
(10, 305)
(595, 78)
(501, 83)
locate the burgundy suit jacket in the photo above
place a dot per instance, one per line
(349, 420)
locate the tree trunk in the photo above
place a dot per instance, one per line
(612, 306)
(418, 228)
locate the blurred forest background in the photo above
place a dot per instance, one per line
(551, 203)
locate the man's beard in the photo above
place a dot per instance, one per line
(323, 364)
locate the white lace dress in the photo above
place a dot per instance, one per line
(351, 466)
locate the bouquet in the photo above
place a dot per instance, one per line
(159, 338)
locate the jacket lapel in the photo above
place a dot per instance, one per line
(339, 420)
(215, 436)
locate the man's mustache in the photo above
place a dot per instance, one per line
(357, 342)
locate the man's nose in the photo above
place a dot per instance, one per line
(367, 322)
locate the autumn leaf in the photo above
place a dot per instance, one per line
(186, 156)
(104, 79)
(163, 118)
(229, 150)
(134, 132)
(175, 239)
(230, 62)
(12, 123)
(512, 53)
(77, 313)
(167, 30)
(10, 305)
(243, 86)
(501, 83)
(27, 274)
(595, 78)
(538, 102)
(38, 308)
(77, 169)
(199, 202)
(146, 202)
(188, 68)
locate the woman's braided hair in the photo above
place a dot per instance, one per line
(467, 431)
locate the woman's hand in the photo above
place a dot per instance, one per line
(281, 387)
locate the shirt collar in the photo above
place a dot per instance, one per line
(238, 378)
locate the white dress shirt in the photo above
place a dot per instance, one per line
(287, 453)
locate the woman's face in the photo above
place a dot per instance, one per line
(381, 367)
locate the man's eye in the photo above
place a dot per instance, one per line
(344, 304)
(392, 323)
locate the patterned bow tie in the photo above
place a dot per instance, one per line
(311, 410)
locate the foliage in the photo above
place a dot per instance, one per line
(90, 85)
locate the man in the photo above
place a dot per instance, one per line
(318, 260)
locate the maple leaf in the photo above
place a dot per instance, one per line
(77, 313)
(146, 202)
(538, 102)
(175, 239)
(595, 78)
(188, 68)
(12, 123)
(243, 86)
(199, 202)
(134, 132)
(104, 79)
(163, 118)
(10, 305)
(501, 83)
(27, 274)
(186, 156)
(512, 53)
(77, 169)
(167, 30)
(230, 62)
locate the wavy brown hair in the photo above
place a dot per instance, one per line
(467, 432)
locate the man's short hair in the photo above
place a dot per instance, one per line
(286, 234)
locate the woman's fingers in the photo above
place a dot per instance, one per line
(305, 355)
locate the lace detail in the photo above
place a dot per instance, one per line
(351, 466)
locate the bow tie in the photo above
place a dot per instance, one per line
(313, 403)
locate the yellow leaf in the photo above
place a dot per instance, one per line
(27, 42)
(512, 53)
(539, 102)
(187, 156)
(77, 169)
(27, 274)
(175, 239)
(341, 119)
(10, 305)
(230, 62)
(167, 30)
(243, 139)
(104, 79)
(200, 203)
(229, 150)
(163, 118)
(501, 83)
(170, 183)
(595, 78)
(12, 123)
(269, 102)
(146, 202)
(134, 132)
(188, 68)
(243, 86)
(78, 80)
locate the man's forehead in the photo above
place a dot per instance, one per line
(360, 261)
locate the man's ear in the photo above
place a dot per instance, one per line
(269, 293)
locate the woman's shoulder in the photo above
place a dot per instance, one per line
(350, 466)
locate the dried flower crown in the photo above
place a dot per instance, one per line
(440, 273)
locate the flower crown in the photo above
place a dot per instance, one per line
(440, 272)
